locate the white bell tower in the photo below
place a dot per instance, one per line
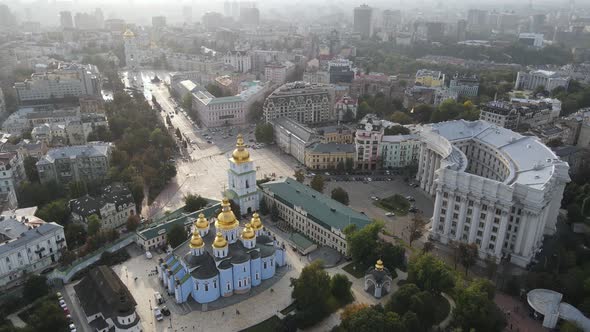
(241, 179)
(131, 56)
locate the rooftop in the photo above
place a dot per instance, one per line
(322, 209)
(333, 148)
(295, 128)
(95, 149)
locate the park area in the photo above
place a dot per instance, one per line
(396, 203)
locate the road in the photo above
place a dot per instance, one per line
(202, 168)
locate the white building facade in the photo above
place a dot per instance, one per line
(241, 179)
(534, 79)
(493, 187)
(300, 101)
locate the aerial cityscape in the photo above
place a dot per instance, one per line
(264, 165)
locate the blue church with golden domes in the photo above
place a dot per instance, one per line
(221, 258)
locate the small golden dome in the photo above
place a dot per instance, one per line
(256, 222)
(220, 241)
(240, 154)
(201, 222)
(379, 265)
(128, 34)
(196, 240)
(248, 232)
(226, 219)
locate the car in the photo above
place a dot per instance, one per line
(148, 255)
(210, 142)
(390, 214)
(327, 174)
(158, 314)
(66, 311)
(158, 297)
(375, 198)
(62, 304)
(165, 310)
(69, 318)
(72, 327)
(410, 198)
(413, 209)
(369, 179)
(58, 294)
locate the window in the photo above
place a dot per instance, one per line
(206, 287)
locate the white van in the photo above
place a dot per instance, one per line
(159, 298)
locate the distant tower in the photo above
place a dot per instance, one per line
(65, 19)
(363, 16)
(131, 58)
(241, 178)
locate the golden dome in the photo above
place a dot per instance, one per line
(201, 222)
(128, 34)
(248, 232)
(256, 222)
(379, 265)
(240, 154)
(220, 241)
(196, 241)
(226, 219)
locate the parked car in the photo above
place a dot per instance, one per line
(390, 214)
(165, 310)
(72, 327)
(158, 314)
(410, 198)
(159, 298)
(148, 255)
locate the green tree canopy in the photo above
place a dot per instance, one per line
(56, 211)
(475, 310)
(401, 118)
(299, 175)
(194, 203)
(35, 287)
(132, 223)
(176, 235)
(317, 183)
(264, 133)
(94, 224)
(397, 130)
(431, 274)
(340, 195)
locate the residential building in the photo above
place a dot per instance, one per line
(300, 101)
(363, 21)
(2, 104)
(341, 71)
(292, 137)
(27, 244)
(442, 94)
(391, 20)
(429, 78)
(525, 113)
(75, 163)
(91, 104)
(316, 76)
(113, 207)
(278, 73)
(577, 158)
(336, 134)
(65, 19)
(400, 150)
(68, 81)
(371, 84)
(345, 108)
(106, 302)
(495, 188)
(531, 39)
(464, 86)
(477, 20)
(367, 139)
(241, 61)
(311, 213)
(549, 80)
(11, 175)
(323, 156)
(232, 110)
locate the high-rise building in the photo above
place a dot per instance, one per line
(85, 21)
(65, 20)
(158, 22)
(187, 14)
(7, 18)
(494, 188)
(99, 18)
(362, 24)
(477, 20)
(391, 19)
(461, 30)
(249, 15)
(227, 8)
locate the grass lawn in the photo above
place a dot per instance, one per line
(397, 204)
(272, 324)
(359, 272)
(442, 308)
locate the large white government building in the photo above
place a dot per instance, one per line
(493, 187)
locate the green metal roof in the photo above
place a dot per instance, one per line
(301, 241)
(179, 218)
(185, 278)
(332, 148)
(321, 208)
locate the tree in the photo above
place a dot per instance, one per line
(317, 183)
(348, 116)
(94, 224)
(263, 207)
(310, 292)
(299, 175)
(77, 189)
(67, 257)
(349, 164)
(430, 274)
(569, 326)
(35, 287)
(100, 134)
(474, 310)
(400, 301)
(133, 222)
(56, 211)
(397, 130)
(194, 203)
(214, 90)
(428, 246)
(467, 255)
(255, 112)
(340, 195)
(47, 316)
(340, 286)
(416, 228)
(30, 165)
(264, 133)
(401, 118)
(176, 235)
(274, 213)
(370, 319)
(422, 113)
(362, 243)
(187, 101)
(75, 235)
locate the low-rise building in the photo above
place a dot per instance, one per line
(430, 78)
(400, 150)
(75, 163)
(517, 113)
(322, 156)
(336, 134)
(113, 207)
(311, 213)
(464, 86)
(107, 303)
(27, 244)
(293, 137)
(185, 87)
(345, 108)
(549, 80)
(278, 73)
(241, 61)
